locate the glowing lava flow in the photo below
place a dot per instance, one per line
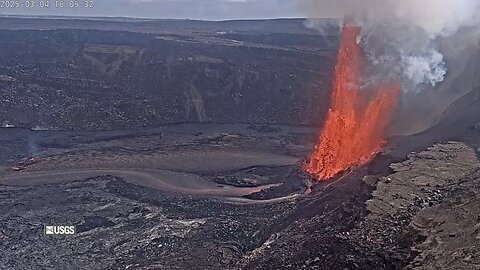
(354, 129)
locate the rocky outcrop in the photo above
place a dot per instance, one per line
(412, 214)
(422, 216)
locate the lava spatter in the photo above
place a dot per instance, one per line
(354, 129)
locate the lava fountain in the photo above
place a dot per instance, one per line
(354, 129)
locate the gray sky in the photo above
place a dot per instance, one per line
(191, 9)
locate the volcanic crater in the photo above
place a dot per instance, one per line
(182, 145)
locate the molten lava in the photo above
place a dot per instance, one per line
(354, 129)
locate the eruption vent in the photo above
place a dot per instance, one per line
(354, 129)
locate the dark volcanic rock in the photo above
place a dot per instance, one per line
(97, 80)
(311, 236)
(423, 216)
(251, 177)
(295, 181)
(121, 226)
(264, 128)
(92, 222)
(422, 213)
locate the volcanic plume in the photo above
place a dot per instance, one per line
(354, 129)
(424, 45)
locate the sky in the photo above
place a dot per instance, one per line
(176, 9)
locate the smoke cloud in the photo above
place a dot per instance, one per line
(430, 67)
(435, 17)
(402, 37)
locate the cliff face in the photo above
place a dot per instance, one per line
(90, 79)
(459, 122)
(421, 110)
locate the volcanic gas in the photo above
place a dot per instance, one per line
(354, 129)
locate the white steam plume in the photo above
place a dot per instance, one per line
(402, 36)
(429, 67)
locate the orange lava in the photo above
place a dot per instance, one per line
(354, 129)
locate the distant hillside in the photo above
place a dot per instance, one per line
(257, 71)
(294, 26)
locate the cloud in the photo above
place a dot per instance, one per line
(402, 38)
(435, 17)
